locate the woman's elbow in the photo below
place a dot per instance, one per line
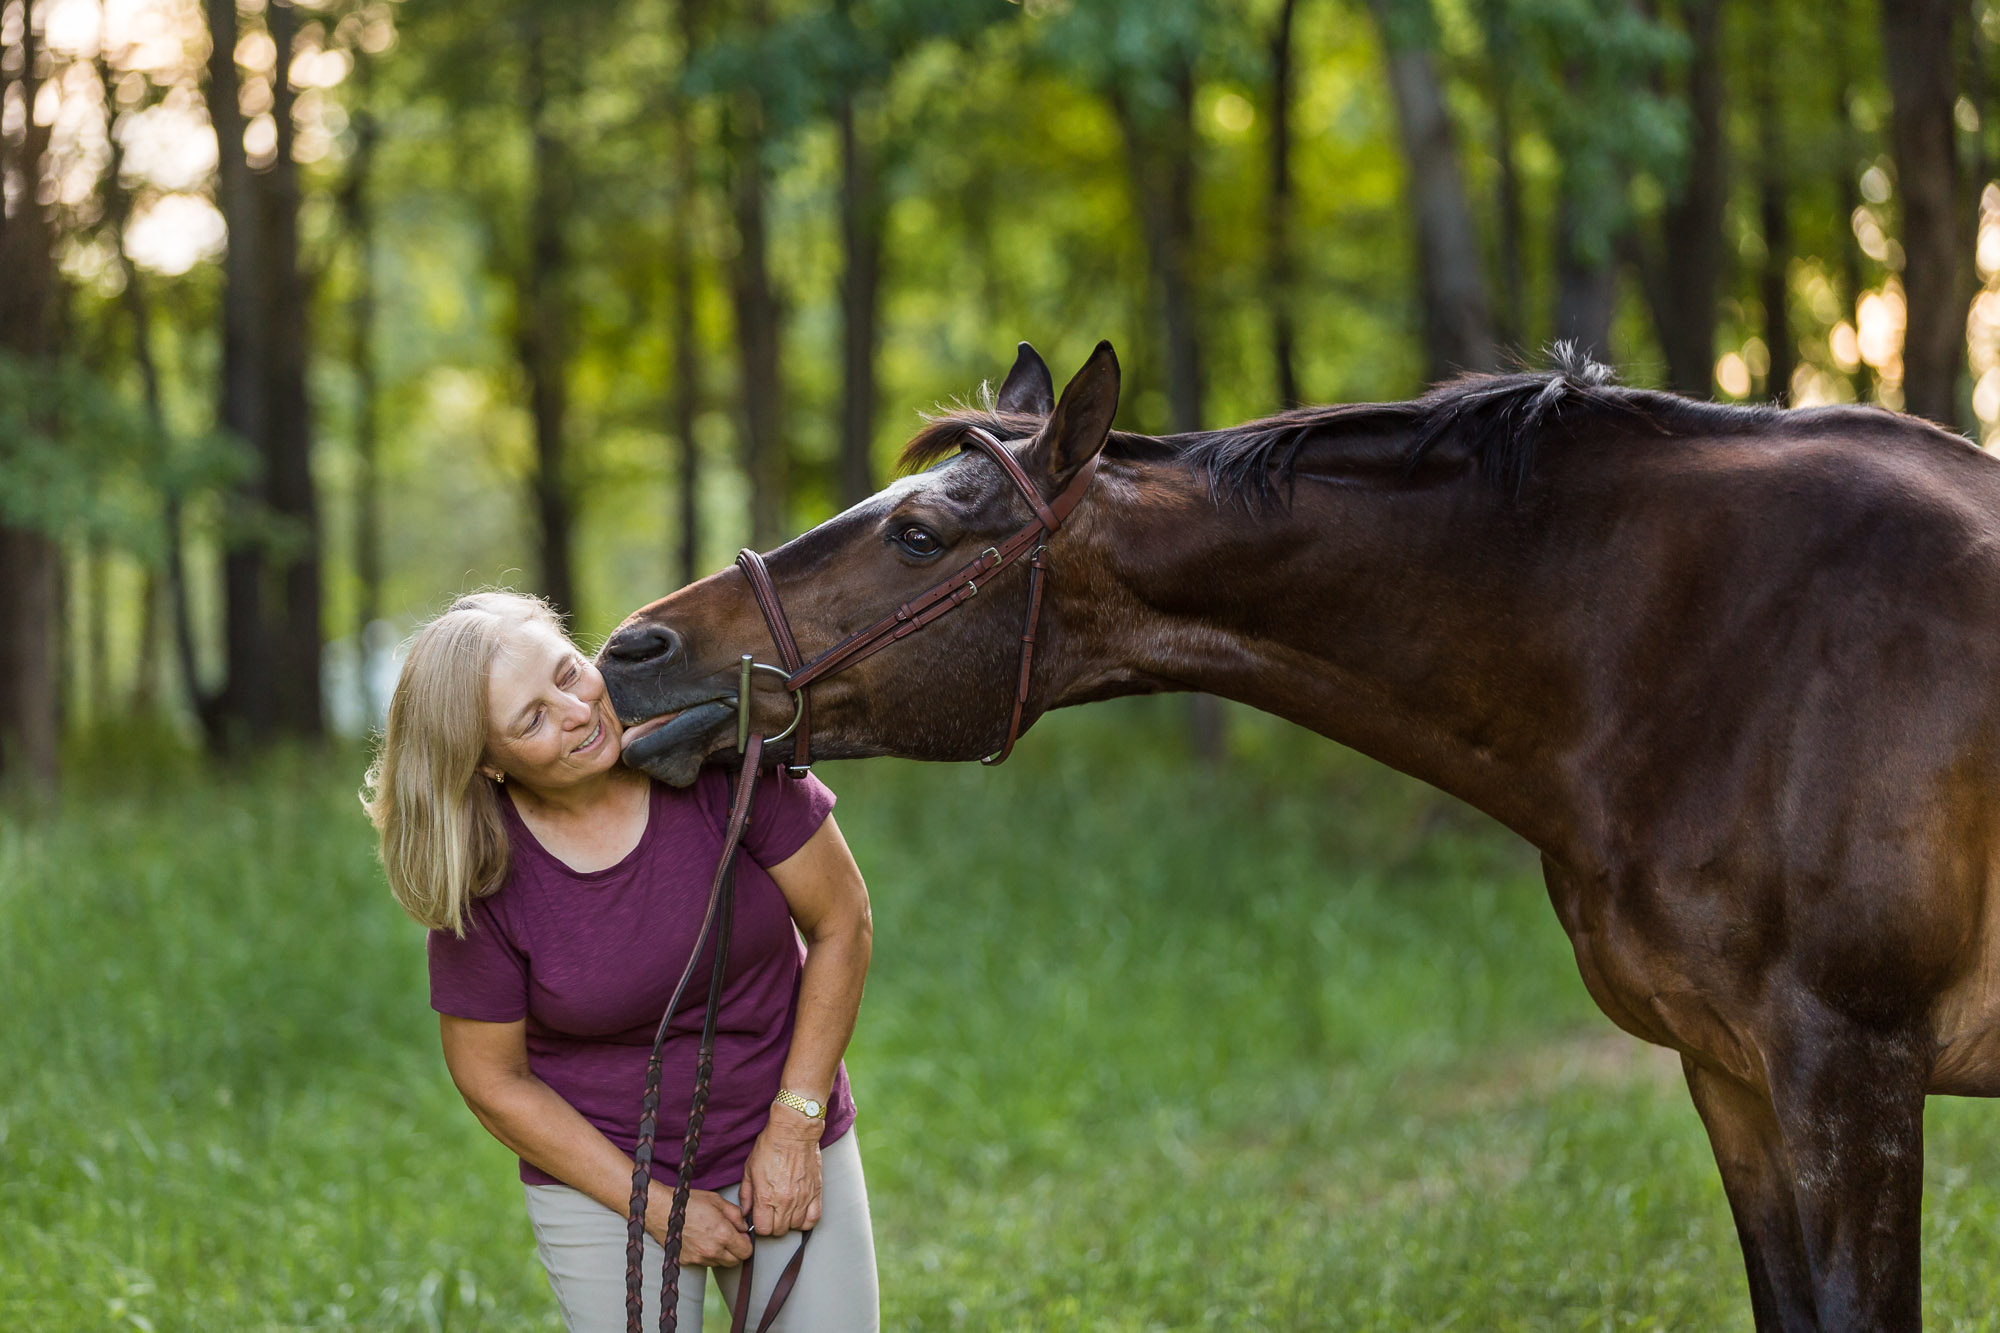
(850, 933)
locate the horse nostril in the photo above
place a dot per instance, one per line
(655, 644)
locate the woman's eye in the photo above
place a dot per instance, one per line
(918, 541)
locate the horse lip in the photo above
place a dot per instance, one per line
(644, 724)
(676, 730)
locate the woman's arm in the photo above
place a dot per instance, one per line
(829, 901)
(489, 1063)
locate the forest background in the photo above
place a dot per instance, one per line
(312, 316)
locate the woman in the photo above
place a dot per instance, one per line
(563, 893)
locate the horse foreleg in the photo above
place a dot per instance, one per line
(1750, 1152)
(1850, 1104)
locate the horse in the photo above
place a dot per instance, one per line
(1730, 669)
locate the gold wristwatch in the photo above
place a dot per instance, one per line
(805, 1106)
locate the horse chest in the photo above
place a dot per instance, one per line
(1651, 976)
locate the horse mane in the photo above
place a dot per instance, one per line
(1501, 420)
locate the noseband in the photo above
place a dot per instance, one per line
(946, 595)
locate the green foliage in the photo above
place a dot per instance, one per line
(78, 459)
(1595, 85)
(1303, 1048)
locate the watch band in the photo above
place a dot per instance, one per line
(805, 1106)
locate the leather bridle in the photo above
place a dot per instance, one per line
(925, 608)
(936, 601)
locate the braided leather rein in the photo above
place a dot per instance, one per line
(717, 920)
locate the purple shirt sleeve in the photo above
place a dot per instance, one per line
(483, 976)
(787, 812)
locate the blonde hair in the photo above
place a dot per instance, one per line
(443, 840)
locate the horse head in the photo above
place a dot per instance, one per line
(947, 693)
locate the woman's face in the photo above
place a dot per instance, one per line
(548, 723)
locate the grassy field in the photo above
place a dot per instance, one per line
(1301, 1048)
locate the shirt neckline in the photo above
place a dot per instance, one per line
(525, 836)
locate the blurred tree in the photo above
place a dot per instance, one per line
(1599, 103)
(273, 643)
(30, 559)
(1773, 210)
(686, 394)
(759, 320)
(1681, 269)
(248, 698)
(1457, 325)
(297, 630)
(1502, 55)
(358, 218)
(1848, 166)
(1281, 265)
(139, 315)
(861, 216)
(1142, 58)
(1917, 53)
(542, 305)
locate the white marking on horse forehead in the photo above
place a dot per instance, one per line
(932, 481)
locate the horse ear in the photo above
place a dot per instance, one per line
(1081, 421)
(1028, 389)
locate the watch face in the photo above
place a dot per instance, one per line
(813, 1108)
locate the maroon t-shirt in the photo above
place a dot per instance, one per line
(590, 958)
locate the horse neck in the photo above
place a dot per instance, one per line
(1409, 622)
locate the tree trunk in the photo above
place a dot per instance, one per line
(1501, 54)
(296, 629)
(542, 332)
(1774, 284)
(30, 608)
(1586, 287)
(359, 215)
(680, 265)
(1160, 156)
(160, 584)
(1690, 264)
(1458, 331)
(1160, 153)
(1916, 45)
(248, 704)
(860, 300)
(1852, 153)
(757, 322)
(1281, 266)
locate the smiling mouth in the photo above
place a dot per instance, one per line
(596, 735)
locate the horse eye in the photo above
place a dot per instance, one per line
(918, 541)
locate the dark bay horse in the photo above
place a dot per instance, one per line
(1734, 671)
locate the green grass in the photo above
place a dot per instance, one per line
(1298, 1047)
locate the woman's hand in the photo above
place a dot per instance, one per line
(713, 1235)
(781, 1180)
